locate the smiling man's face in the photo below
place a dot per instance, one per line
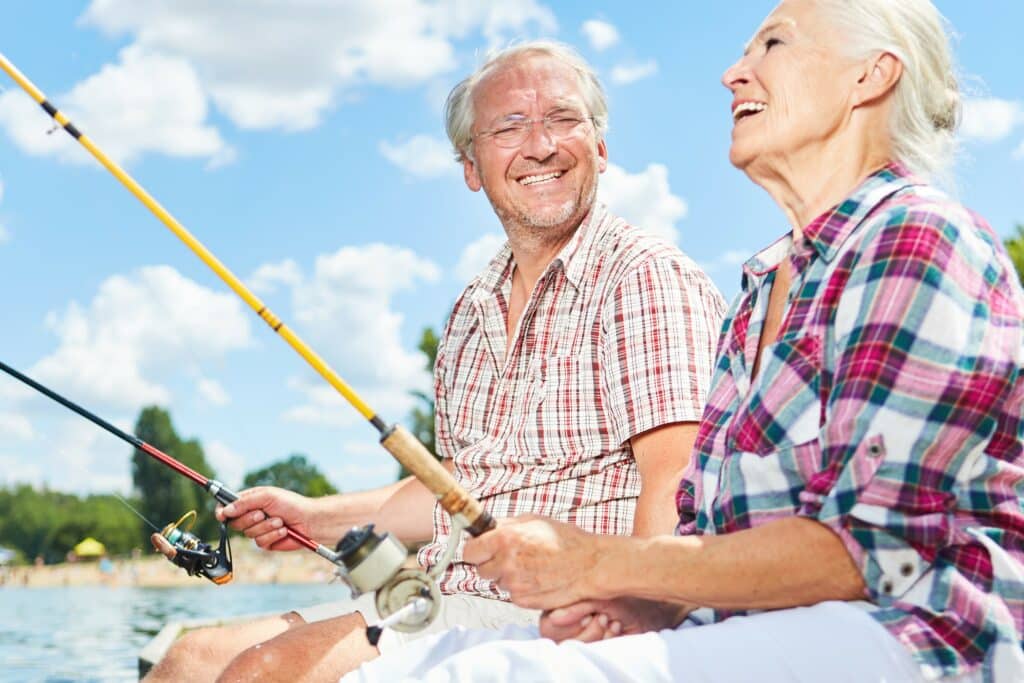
(547, 184)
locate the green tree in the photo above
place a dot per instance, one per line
(165, 495)
(422, 416)
(1015, 245)
(295, 473)
(49, 524)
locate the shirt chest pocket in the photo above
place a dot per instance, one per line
(565, 409)
(783, 408)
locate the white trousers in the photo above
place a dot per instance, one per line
(832, 641)
(465, 611)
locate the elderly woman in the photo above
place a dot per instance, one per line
(853, 511)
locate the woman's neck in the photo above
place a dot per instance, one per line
(811, 181)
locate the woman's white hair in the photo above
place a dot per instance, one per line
(926, 109)
(458, 111)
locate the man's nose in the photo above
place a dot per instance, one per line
(539, 143)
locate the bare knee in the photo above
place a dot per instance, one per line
(201, 655)
(321, 651)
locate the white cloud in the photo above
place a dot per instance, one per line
(268, 276)
(15, 426)
(990, 119)
(476, 255)
(421, 155)
(212, 392)
(310, 56)
(137, 332)
(1, 190)
(600, 34)
(143, 104)
(1019, 152)
(229, 465)
(5, 235)
(89, 459)
(729, 261)
(345, 309)
(624, 74)
(15, 469)
(644, 199)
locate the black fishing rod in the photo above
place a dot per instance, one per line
(406, 599)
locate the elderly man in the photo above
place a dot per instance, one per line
(568, 380)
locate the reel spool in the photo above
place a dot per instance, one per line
(407, 599)
(196, 557)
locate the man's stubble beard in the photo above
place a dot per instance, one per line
(551, 227)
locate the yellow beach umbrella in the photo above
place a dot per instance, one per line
(90, 547)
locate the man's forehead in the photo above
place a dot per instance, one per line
(525, 80)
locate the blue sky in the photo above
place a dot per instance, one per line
(302, 142)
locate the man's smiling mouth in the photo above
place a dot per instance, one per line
(542, 178)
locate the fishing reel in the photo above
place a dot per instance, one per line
(407, 599)
(186, 550)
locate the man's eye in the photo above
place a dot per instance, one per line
(508, 129)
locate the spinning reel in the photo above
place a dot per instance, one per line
(408, 599)
(186, 550)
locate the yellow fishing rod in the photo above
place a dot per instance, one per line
(398, 441)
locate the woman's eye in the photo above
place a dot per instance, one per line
(770, 43)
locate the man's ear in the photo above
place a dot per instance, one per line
(602, 156)
(879, 77)
(471, 174)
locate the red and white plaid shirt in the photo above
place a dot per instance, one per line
(618, 338)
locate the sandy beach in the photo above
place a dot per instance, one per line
(251, 566)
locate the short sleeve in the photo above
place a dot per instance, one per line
(660, 328)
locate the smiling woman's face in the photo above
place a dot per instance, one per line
(791, 89)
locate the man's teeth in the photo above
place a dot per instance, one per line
(748, 108)
(533, 179)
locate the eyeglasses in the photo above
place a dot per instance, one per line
(515, 130)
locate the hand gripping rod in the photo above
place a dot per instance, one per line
(396, 439)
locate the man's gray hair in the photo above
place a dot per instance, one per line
(458, 111)
(926, 109)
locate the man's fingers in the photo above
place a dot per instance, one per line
(268, 539)
(572, 614)
(266, 526)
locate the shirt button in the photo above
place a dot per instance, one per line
(906, 569)
(874, 450)
(887, 587)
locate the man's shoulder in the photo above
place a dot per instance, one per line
(628, 248)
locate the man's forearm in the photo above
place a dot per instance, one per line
(788, 563)
(404, 508)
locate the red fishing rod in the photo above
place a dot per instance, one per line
(407, 599)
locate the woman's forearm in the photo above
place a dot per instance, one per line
(787, 563)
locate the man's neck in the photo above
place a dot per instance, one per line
(533, 252)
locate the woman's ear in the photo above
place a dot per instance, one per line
(880, 75)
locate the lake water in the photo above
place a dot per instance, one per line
(95, 633)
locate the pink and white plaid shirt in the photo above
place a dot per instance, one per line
(618, 338)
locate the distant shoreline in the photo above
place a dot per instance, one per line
(251, 566)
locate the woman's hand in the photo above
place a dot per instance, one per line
(593, 620)
(541, 563)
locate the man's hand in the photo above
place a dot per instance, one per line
(541, 563)
(593, 620)
(261, 513)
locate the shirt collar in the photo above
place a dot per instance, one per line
(828, 232)
(573, 258)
